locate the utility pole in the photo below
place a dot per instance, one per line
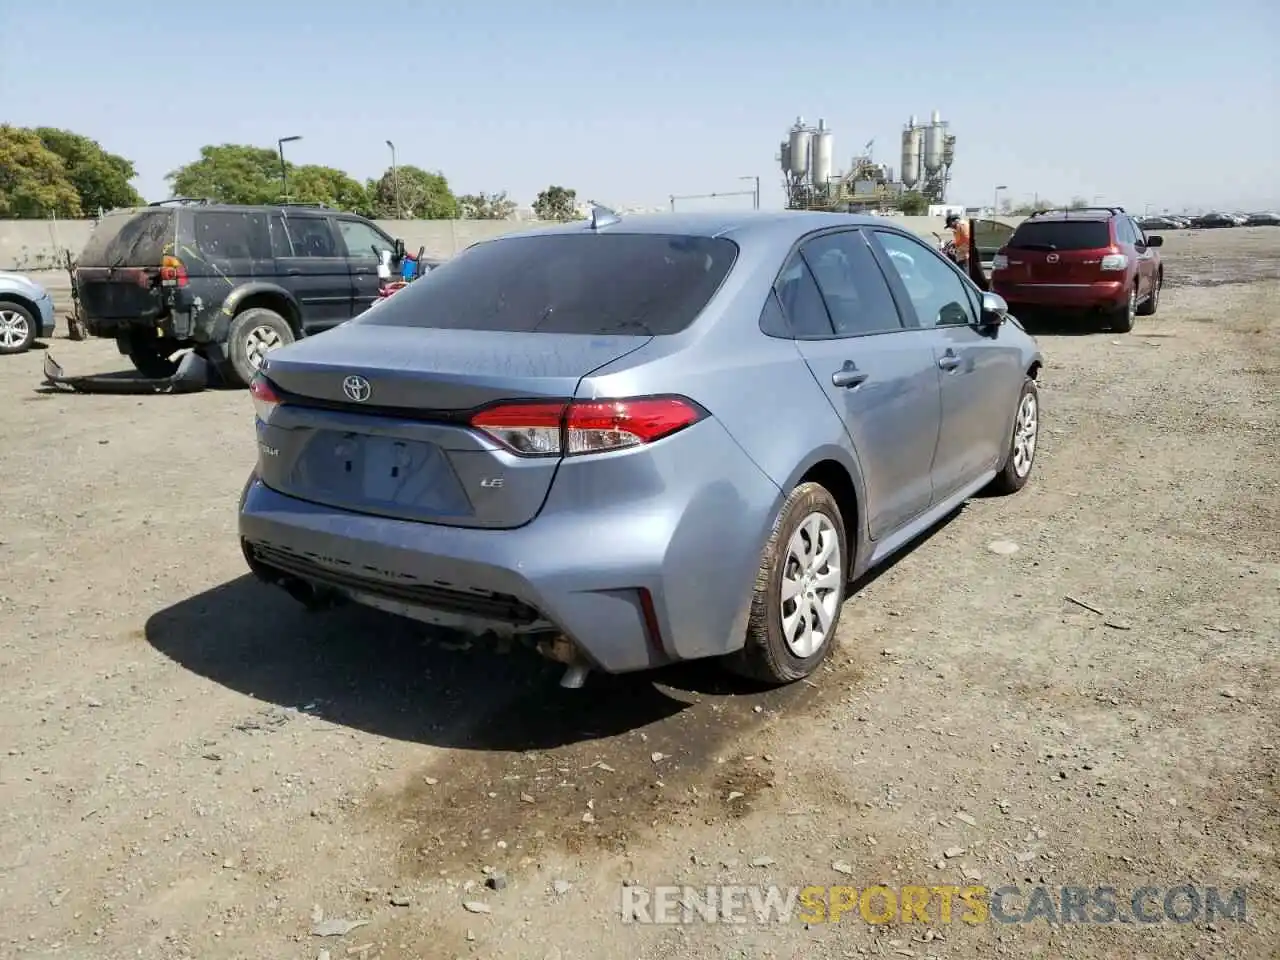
(284, 170)
(395, 178)
(756, 195)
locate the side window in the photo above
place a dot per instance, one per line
(232, 236)
(361, 239)
(312, 237)
(936, 290)
(279, 237)
(1139, 238)
(854, 289)
(801, 302)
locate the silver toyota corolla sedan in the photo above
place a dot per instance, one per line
(637, 440)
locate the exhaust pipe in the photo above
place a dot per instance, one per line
(311, 597)
(563, 650)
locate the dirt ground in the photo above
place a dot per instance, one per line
(192, 766)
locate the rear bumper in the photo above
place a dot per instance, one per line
(1102, 295)
(47, 319)
(666, 576)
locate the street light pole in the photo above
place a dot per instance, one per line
(395, 177)
(284, 171)
(995, 200)
(756, 195)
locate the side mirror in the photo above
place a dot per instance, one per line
(994, 309)
(398, 250)
(1156, 241)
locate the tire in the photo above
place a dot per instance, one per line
(253, 333)
(768, 655)
(1152, 303)
(1020, 458)
(17, 328)
(151, 357)
(1122, 320)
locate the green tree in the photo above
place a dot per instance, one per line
(556, 203)
(230, 173)
(100, 178)
(913, 203)
(1077, 203)
(486, 206)
(421, 195)
(315, 184)
(1025, 209)
(33, 179)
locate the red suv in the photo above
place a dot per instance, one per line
(1095, 261)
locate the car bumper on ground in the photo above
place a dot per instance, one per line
(47, 319)
(1104, 295)
(667, 577)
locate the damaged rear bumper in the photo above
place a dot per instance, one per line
(191, 376)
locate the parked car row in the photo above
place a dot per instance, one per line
(640, 440)
(1210, 220)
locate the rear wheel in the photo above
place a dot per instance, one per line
(254, 333)
(17, 328)
(1152, 303)
(151, 357)
(1021, 456)
(799, 590)
(1122, 320)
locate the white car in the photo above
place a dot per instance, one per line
(26, 312)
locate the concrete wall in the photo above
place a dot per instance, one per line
(35, 245)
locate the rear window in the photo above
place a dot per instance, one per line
(1061, 235)
(129, 240)
(597, 284)
(233, 236)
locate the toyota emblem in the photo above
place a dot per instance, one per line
(357, 389)
(1051, 258)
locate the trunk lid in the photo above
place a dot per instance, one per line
(117, 275)
(1057, 251)
(375, 419)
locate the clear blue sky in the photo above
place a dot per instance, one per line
(1166, 102)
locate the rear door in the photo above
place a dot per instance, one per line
(316, 271)
(1058, 251)
(364, 245)
(1144, 256)
(980, 371)
(878, 375)
(117, 272)
(234, 248)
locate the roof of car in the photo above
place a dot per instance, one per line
(1088, 216)
(718, 224)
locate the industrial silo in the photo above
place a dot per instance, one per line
(935, 135)
(823, 164)
(912, 136)
(800, 140)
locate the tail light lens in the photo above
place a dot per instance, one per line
(999, 262)
(265, 398)
(1114, 261)
(540, 429)
(173, 272)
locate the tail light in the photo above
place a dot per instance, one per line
(173, 272)
(1114, 261)
(540, 429)
(265, 398)
(999, 262)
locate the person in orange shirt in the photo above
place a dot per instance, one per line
(959, 228)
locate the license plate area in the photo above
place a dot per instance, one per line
(411, 478)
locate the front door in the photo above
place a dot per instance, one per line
(981, 375)
(364, 246)
(316, 272)
(879, 376)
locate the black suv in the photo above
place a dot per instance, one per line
(231, 281)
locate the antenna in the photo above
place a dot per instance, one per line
(602, 216)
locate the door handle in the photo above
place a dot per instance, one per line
(848, 376)
(948, 361)
(293, 272)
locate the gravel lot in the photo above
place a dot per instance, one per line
(192, 766)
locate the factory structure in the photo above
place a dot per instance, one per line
(812, 182)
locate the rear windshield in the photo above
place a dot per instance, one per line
(1061, 235)
(129, 240)
(597, 284)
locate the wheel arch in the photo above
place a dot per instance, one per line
(837, 471)
(267, 295)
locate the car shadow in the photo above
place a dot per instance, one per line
(399, 679)
(1062, 326)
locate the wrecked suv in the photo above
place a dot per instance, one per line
(232, 282)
